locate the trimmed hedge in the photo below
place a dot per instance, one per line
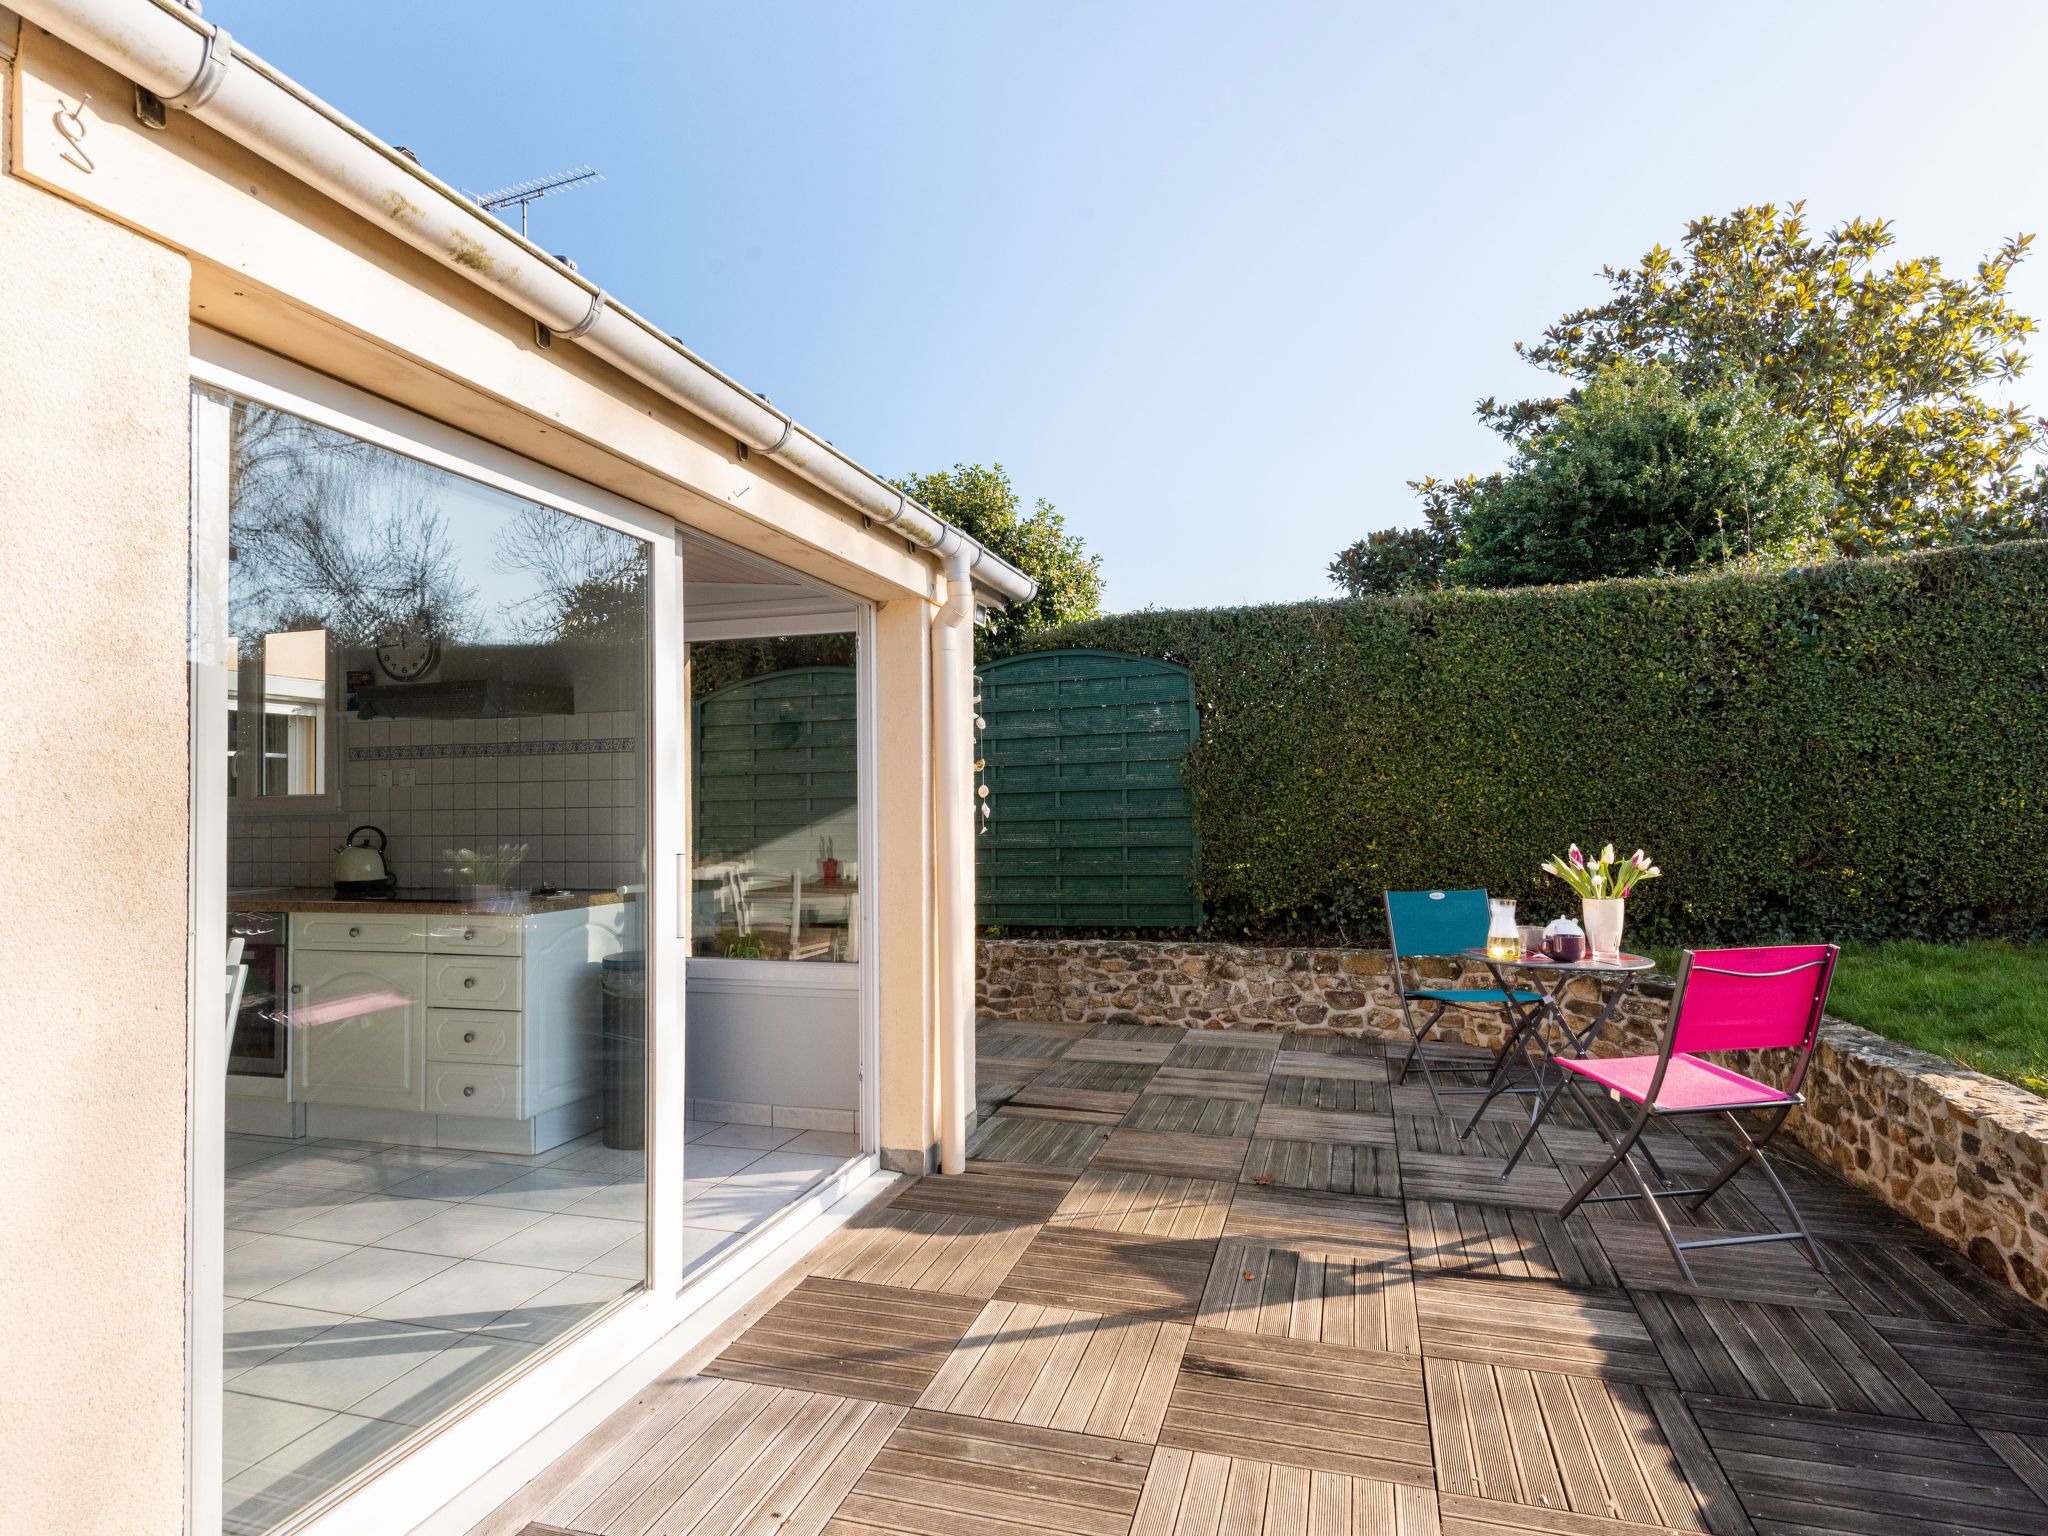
(1855, 750)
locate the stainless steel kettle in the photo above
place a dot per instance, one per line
(359, 869)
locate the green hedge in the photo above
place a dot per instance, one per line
(1850, 750)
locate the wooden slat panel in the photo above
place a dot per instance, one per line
(1285, 1124)
(1549, 1440)
(1511, 1244)
(1777, 1272)
(1148, 1279)
(1149, 1052)
(1256, 1397)
(1248, 1086)
(1014, 1193)
(1318, 1223)
(1342, 1169)
(1173, 1152)
(859, 1340)
(1537, 1326)
(1478, 1181)
(1009, 1138)
(1208, 1054)
(1191, 1115)
(1822, 1471)
(1353, 1093)
(1196, 1494)
(1446, 1136)
(1994, 1378)
(1330, 1299)
(925, 1251)
(1150, 1203)
(1023, 1363)
(1364, 1069)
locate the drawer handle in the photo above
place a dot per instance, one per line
(355, 933)
(469, 1037)
(468, 933)
(469, 981)
(469, 1092)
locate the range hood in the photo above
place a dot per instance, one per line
(477, 700)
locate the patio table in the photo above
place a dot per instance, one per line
(1616, 978)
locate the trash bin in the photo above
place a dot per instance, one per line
(622, 980)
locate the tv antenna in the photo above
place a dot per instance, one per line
(525, 192)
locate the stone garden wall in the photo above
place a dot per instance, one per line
(1964, 1155)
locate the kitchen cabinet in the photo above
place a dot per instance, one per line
(360, 1027)
(479, 1030)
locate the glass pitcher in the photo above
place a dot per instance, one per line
(1503, 938)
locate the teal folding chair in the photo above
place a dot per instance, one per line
(1432, 924)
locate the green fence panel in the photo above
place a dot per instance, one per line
(774, 759)
(1091, 824)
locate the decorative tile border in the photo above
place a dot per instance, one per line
(576, 747)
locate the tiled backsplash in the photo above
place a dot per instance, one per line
(568, 786)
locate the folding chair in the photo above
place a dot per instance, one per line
(1770, 998)
(1430, 924)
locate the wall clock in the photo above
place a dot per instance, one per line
(409, 651)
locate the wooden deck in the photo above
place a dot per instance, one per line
(1197, 1285)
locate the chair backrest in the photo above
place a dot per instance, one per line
(1421, 923)
(1766, 998)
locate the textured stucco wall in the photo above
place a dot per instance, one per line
(93, 788)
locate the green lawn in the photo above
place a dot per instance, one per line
(1984, 1005)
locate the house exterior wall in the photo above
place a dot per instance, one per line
(94, 779)
(108, 271)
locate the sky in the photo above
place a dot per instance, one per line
(1215, 280)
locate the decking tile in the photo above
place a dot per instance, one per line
(1357, 1412)
(1155, 1204)
(1478, 1181)
(1344, 1169)
(869, 1341)
(1359, 1303)
(1173, 1153)
(943, 1474)
(1193, 1493)
(1813, 1470)
(1994, 1378)
(1505, 1243)
(1538, 1326)
(1015, 1138)
(1572, 1442)
(1006, 1191)
(1026, 1363)
(1809, 1355)
(1197, 1082)
(1195, 1116)
(1308, 1222)
(1347, 1094)
(1778, 1272)
(925, 1250)
(1149, 1279)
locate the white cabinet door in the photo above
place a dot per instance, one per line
(359, 1029)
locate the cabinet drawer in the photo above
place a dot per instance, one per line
(468, 1089)
(392, 932)
(460, 1034)
(474, 935)
(472, 981)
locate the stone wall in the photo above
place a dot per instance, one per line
(1964, 1155)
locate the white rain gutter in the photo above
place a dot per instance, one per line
(196, 67)
(953, 839)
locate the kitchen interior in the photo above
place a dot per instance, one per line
(437, 1105)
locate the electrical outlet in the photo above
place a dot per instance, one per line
(383, 778)
(407, 777)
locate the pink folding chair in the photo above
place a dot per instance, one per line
(1770, 998)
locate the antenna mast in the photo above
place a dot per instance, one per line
(525, 192)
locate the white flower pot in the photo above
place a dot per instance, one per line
(1603, 926)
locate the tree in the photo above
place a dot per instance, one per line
(1881, 367)
(982, 503)
(1391, 561)
(1633, 477)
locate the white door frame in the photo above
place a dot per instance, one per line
(450, 1478)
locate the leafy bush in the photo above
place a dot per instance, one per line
(1850, 750)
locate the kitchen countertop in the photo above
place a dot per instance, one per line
(445, 906)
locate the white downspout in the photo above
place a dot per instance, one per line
(953, 840)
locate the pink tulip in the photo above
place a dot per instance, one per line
(1578, 858)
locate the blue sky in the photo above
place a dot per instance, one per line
(1214, 279)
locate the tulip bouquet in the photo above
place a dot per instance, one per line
(1602, 879)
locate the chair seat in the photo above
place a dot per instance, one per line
(1689, 1083)
(1475, 996)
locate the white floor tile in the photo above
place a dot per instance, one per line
(735, 1209)
(338, 1368)
(256, 1331)
(546, 1189)
(700, 1243)
(357, 1281)
(623, 1201)
(617, 1162)
(280, 1207)
(837, 1143)
(259, 1498)
(628, 1261)
(368, 1219)
(786, 1169)
(466, 1364)
(562, 1306)
(563, 1242)
(693, 1129)
(762, 1138)
(395, 1165)
(254, 1427)
(274, 1259)
(702, 1162)
(461, 1231)
(466, 1295)
(463, 1179)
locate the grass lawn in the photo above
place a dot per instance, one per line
(1984, 1005)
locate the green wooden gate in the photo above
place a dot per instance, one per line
(1091, 824)
(775, 759)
